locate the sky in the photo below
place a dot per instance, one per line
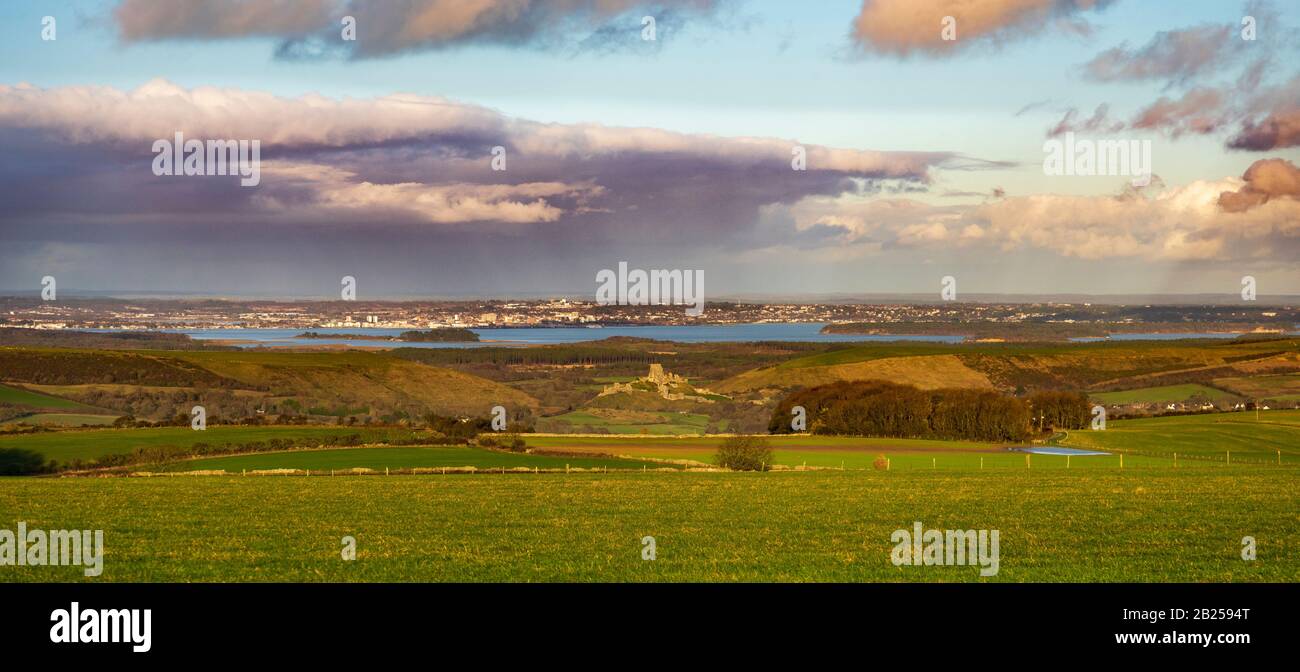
(922, 156)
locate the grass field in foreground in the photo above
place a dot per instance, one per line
(1208, 436)
(404, 457)
(1131, 525)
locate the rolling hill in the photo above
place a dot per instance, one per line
(1101, 366)
(159, 384)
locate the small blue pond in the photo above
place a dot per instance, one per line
(1055, 450)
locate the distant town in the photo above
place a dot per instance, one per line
(194, 314)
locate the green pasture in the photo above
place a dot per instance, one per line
(1164, 393)
(1132, 525)
(1248, 436)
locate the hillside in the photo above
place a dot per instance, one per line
(1103, 366)
(926, 372)
(239, 383)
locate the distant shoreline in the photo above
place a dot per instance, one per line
(438, 335)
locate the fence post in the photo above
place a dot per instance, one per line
(1067, 461)
(981, 462)
(566, 467)
(1175, 460)
(385, 471)
(1229, 457)
(1121, 460)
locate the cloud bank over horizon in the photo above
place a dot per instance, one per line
(424, 189)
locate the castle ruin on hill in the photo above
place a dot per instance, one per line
(670, 386)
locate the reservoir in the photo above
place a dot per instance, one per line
(1055, 450)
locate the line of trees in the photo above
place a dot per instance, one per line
(1060, 410)
(880, 408)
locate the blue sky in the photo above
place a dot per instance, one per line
(766, 69)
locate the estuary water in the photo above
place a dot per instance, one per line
(705, 333)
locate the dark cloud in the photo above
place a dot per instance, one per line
(1276, 131)
(344, 180)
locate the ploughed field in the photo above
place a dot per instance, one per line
(1134, 524)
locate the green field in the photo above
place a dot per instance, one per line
(404, 457)
(88, 444)
(1164, 393)
(13, 395)
(663, 423)
(67, 419)
(834, 452)
(1057, 525)
(818, 451)
(1204, 437)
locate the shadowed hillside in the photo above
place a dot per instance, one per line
(241, 383)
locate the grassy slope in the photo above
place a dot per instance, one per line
(926, 372)
(13, 395)
(1203, 436)
(67, 419)
(331, 379)
(1162, 394)
(1284, 386)
(355, 378)
(1081, 525)
(1007, 366)
(635, 422)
